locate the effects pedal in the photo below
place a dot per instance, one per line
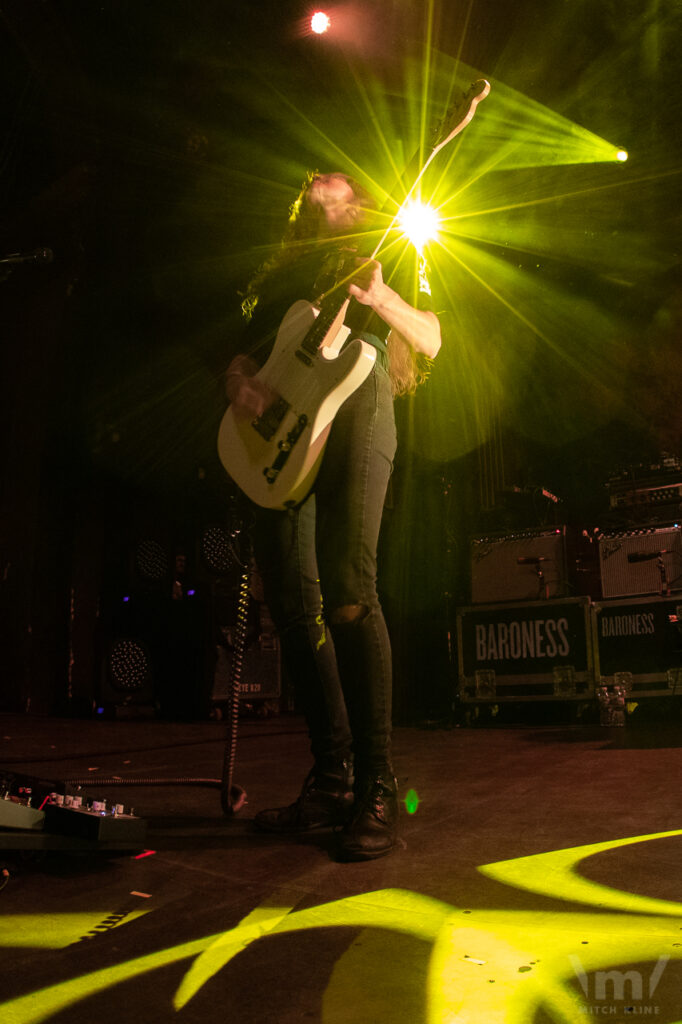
(29, 804)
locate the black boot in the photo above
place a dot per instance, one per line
(326, 800)
(372, 828)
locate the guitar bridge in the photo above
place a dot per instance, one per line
(272, 472)
(268, 423)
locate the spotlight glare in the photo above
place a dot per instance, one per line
(419, 223)
(412, 802)
(320, 22)
(622, 155)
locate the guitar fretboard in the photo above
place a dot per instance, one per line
(329, 310)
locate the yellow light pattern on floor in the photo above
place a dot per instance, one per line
(486, 966)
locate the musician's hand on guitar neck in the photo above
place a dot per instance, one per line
(419, 328)
(249, 396)
(367, 285)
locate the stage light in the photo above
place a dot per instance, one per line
(622, 155)
(412, 801)
(129, 665)
(419, 223)
(320, 22)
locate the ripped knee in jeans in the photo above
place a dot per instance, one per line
(348, 614)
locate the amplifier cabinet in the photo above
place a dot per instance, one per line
(638, 645)
(539, 650)
(525, 566)
(644, 560)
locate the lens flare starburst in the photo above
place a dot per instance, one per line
(419, 223)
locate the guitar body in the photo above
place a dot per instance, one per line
(274, 459)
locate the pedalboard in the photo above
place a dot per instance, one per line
(31, 805)
(95, 822)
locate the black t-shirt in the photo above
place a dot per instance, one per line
(315, 274)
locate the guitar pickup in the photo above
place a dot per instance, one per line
(285, 447)
(268, 424)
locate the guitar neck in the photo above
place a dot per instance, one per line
(333, 310)
(334, 304)
(454, 122)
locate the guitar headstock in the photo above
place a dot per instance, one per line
(458, 116)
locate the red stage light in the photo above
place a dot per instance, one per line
(320, 22)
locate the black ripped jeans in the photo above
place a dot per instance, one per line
(322, 556)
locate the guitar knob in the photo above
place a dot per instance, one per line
(284, 446)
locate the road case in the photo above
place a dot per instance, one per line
(638, 644)
(537, 650)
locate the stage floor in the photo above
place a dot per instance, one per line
(537, 880)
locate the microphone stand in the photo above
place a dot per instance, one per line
(11, 260)
(665, 582)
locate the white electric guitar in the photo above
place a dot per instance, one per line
(274, 458)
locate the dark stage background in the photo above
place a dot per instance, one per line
(138, 148)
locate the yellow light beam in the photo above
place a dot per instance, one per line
(555, 874)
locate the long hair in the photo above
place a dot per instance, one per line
(406, 368)
(301, 237)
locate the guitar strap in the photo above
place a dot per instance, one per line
(335, 267)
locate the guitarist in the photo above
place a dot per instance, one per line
(319, 560)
